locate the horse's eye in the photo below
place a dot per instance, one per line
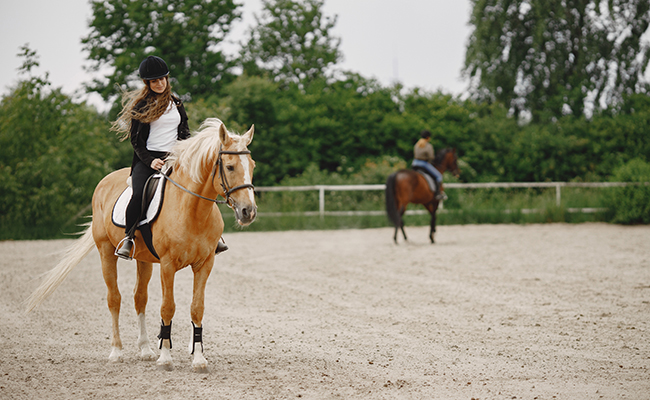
(230, 167)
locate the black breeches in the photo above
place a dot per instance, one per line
(139, 175)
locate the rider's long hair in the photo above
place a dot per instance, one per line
(153, 107)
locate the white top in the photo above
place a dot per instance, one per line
(163, 132)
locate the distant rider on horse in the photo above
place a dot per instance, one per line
(423, 157)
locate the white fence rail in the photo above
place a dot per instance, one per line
(334, 188)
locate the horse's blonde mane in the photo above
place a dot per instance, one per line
(193, 155)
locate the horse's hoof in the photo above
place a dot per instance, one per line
(165, 362)
(116, 356)
(200, 364)
(200, 368)
(147, 355)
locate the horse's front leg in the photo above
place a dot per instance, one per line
(167, 310)
(201, 274)
(140, 298)
(432, 209)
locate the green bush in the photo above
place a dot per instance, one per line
(631, 204)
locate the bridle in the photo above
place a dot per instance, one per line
(222, 177)
(455, 171)
(222, 174)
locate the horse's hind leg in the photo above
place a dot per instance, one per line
(402, 210)
(113, 298)
(398, 224)
(201, 274)
(399, 227)
(140, 297)
(403, 232)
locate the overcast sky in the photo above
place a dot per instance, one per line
(418, 42)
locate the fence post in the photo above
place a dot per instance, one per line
(321, 202)
(558, 196)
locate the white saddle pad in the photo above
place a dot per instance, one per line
(119, 210)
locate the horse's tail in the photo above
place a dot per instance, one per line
(53, 278)
(391, 204)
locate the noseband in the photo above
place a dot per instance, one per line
(222, 176)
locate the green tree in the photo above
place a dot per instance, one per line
(291, 41)
(187, 34)
(252, 100)
(556, 57)
(54, 152)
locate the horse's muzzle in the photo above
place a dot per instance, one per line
(246, 214)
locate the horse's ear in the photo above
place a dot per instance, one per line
(248, 136)
(224, 138)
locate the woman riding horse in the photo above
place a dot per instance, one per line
(423, 157)
(212, 163)
(408, 186)
(156, 120)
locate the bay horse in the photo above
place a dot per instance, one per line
(408, 186)
(211, 163)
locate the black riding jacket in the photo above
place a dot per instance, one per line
(140, 134)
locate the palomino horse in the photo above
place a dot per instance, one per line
(212, 163)
(407, 186)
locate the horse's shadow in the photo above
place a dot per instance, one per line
(412, 244)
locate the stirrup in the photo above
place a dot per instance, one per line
(441, 196)
(125, 248)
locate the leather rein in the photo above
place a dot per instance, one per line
(222, 176)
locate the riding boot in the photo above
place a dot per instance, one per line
(440, 194)
(125, 248)
(221, 247)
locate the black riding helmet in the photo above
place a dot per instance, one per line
(153, 67)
